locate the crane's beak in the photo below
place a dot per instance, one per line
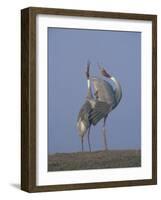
(88, 68)
(104, 72)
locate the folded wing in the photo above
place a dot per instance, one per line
(100, 111)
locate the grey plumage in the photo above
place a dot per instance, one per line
(83, 117)
(104, 90)
(100, 110)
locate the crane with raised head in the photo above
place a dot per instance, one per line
(83, 121)
(107, 98)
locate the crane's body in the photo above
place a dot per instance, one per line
(83, 121)
(103, 90)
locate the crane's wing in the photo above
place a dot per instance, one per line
(85, 112)
(100, 111)
(103, 90)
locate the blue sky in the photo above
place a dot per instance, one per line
(68, 52)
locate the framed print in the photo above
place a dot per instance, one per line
(88, 99)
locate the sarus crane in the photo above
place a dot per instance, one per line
(96, 108)
(107, 98)
(83, 120)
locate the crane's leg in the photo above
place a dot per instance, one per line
(82, 142)
(89, 139)
(104, 133)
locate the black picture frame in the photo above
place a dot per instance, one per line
(28, 98)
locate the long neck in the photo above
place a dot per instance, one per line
(89, 92)
(118, 90)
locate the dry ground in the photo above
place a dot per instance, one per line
(94, 160)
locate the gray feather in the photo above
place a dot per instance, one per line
(100, 111)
